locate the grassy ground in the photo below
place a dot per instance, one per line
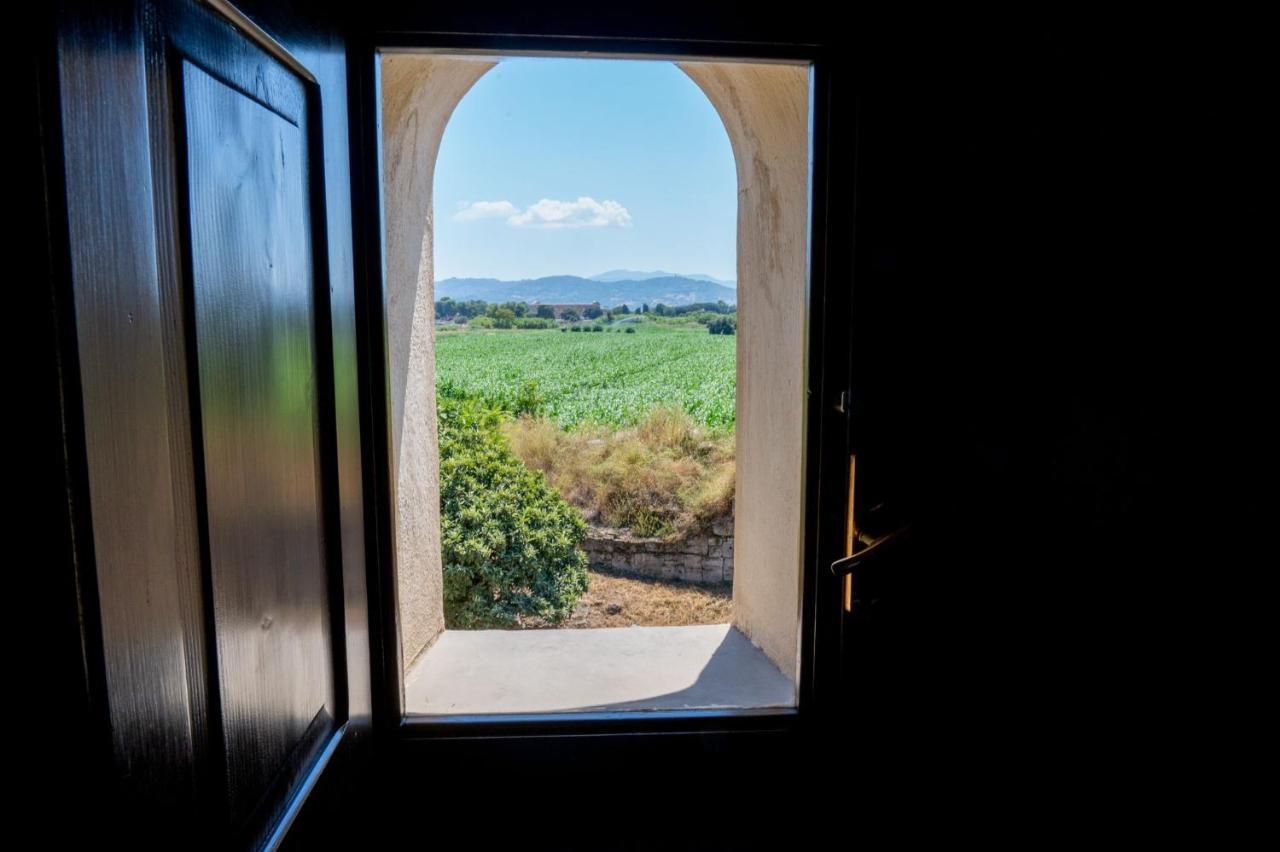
(618, 600)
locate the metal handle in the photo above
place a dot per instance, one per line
(849, 563)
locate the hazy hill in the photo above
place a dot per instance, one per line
(570, 289)
(633, 275)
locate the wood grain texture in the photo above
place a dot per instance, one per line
(119, 330)
(253, 298)
(207, 722)
(320, 47)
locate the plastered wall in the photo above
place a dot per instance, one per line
(419, 93)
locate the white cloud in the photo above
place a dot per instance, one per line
(586, 212)
(483, 210)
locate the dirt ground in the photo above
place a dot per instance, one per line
(620, 600)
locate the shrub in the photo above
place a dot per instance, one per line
(723, 325)
(509, 543)
(482, 322)
(664, 477)
(631, 329)
(597, 328)
(503, 317)
(575, 328)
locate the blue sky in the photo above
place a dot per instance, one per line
(578, 166)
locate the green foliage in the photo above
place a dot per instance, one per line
(447, 308)
(569, 315)
(723, 325)
(509, 542)
(481, 322)
(528, 400)
(596, 377)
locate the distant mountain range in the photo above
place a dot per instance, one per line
(632, 275)
(608, 288)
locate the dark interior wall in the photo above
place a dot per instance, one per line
(1006, 351)
(1003, 361)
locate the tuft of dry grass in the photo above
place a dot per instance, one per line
(615, 599)
(660, 478)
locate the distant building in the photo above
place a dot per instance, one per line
(560, 309)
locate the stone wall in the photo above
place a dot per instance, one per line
(704, 556)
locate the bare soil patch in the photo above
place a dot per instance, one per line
(616, 599)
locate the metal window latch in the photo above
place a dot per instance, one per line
(847, 565)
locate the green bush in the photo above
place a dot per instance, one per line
(509, 542)
(723, 325)
(631, 329)
(482, 322)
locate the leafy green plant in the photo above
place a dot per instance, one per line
(503, 317)
(528, 400)
(723, 325)
(509, 543)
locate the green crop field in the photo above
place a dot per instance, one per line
(608, 377)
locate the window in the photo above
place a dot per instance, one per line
(765, 111)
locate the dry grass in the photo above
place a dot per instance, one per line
(660, 478)
(620, 600)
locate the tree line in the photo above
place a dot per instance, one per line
(720, 317)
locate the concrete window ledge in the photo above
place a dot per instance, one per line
(705, 666)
